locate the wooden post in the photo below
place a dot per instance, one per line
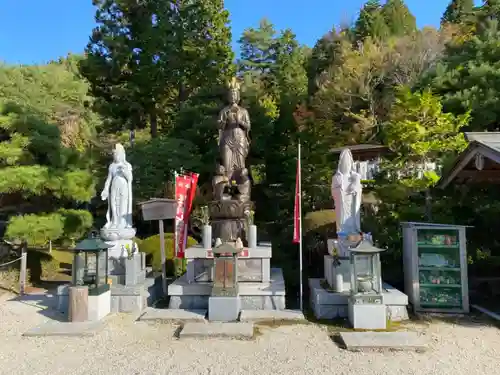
(163, 260)
(78, 303)
(22, 274)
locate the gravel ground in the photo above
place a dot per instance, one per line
(133, 348)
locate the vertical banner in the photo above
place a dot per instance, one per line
(188, 207)
(185, 188)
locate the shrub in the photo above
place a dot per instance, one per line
(50, 269)
(9, 279)
(151, 246)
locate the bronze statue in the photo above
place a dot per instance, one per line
(219, 183)
(234, 129)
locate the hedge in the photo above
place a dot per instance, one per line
(151, 246)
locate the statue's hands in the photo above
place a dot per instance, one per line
(104, 195)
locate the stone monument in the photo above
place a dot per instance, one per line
(231, 270)
(333, 302)
(118, 230)
(231, 183)
(346, 193)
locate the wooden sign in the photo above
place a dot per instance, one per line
(158, 209)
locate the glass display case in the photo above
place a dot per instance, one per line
(435, 267)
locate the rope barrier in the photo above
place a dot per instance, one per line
(12, 261)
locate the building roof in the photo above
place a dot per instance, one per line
(482, 145)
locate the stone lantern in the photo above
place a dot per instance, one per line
(224, 302)
(91, 265)
(366, 307)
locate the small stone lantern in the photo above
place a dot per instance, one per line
(91, 264)
(366, 308)
(225, 271)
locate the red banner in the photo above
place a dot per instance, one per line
(185, 188)
(296, 211)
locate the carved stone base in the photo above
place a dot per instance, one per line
(115, 234)
(229, 220)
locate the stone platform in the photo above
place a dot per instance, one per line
(127, 299)
(391, 341)
(327, 304)
(217, 329)
(254, 264)
(253, 295)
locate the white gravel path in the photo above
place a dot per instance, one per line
(130, 348)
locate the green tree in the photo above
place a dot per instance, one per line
(118, 64)
(46, 171)
(457, 11)
(371, 22)
(398, 18)
(467, 78)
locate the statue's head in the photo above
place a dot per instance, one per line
(119, 153)
(220, 170)
(346, 162)
(234, 91)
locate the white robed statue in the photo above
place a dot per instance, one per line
(118, 191)
(346, 192)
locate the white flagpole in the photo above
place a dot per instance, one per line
(301, 292)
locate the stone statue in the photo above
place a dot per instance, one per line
(219, 183)
(244, 185)
(346, 192)
(234, 129)
(118, 191)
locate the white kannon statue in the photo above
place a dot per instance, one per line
(118, 191)
(346, 192)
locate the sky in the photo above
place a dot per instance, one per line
(36, 31)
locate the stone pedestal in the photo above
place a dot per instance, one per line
(367, 316)
(99, 306)
(135, 269)
(224, 309)
(117, 255)
(327, 304)
(332, 270)
(254, 264)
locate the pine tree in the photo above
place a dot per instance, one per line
(457, 11)
(398, 18)
(371, 22)
(45, 171)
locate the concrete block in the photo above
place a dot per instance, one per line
(330, 311)
(396, 313)
(274, 315)
(392, 296)
(217, 329)
(369, 316)
(367, 341)
(328, 271)
(51, 328)
(134, 273)
(322, 296)
(223, 309)
(99, 306)
(176, 315)
(266, 270)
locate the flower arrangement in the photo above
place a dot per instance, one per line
(205, 217)
(250, 215)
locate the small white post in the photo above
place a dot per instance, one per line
(22, 274)
(163, 260)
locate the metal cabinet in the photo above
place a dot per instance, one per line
(435, 267)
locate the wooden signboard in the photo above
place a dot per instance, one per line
(158, 209)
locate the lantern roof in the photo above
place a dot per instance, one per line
(365, 247)
(92, 243)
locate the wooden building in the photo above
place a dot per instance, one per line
(478, 163)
